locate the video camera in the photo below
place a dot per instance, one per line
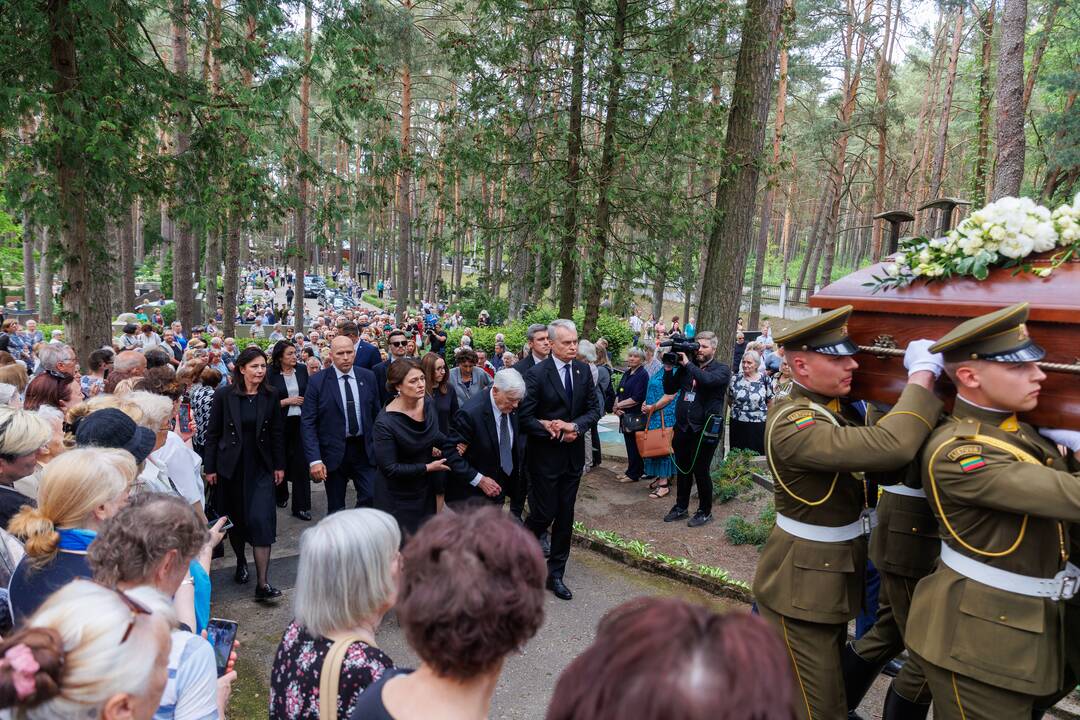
(678, 344)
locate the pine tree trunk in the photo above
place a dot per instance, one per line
(45, 276)
(1009, 167)
(881, 121)
(598, 249)
(300, 256)
(982, 142)
(404, 270)
(1040, 50)
(29, 231)
(184, 243)
(567, 269)
(127, 260)
(938, 167)
(729, 239)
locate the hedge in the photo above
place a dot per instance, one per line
(610, 327)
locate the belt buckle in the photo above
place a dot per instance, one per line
(1066, 586)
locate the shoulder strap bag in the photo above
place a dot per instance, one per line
(655, 442)
(330, 676)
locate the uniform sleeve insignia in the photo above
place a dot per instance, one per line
(963, 450)
(802, 418)
(970, 464)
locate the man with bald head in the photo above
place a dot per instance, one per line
(128, 364)
(336, 420)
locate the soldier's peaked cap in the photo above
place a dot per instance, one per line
(825, 333)
(1000, 336)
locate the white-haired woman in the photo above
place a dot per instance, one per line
(749, 394)
(347, 580)
(89, 652)
(79, 491)
(47, 452)
(24, 434)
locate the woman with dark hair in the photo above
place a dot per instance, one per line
(244, 458)
(407, 436)
(472, 594)
(667, 659)
(93, 382)
(436, 380)
(52, 388)
(290, 379)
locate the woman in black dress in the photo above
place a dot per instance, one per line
(290, 379)
(245, 458)
(407, 442)
(437, 380)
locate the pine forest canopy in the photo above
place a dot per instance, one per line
(566, 152)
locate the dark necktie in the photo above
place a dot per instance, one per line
(506, 459)
(350, 408)
(568, 385)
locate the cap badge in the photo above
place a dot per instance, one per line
(843, 329)
(1022, 332)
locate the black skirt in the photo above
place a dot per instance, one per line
(748, 436)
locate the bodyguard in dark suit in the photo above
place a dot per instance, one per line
(487, 425)
(539, 344)
(367, 355)
(335, 427)
(396, 343)
(560, 404)
(290, 379)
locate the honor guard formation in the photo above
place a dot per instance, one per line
(971, 535)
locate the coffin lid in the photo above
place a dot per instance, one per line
(1053, 299)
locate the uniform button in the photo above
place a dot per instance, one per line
(1049, 461)
(914, 530)
(1002, 618)
(826, 564)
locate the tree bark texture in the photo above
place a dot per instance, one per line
(1011, 141)
(729, 239)
(184, 245)
(982, 142)
(300, 255)
(568, 249)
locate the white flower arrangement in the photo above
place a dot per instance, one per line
(1002, 234)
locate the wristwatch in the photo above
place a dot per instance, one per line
(576, 431)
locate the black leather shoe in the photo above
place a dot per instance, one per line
(699, 519)
(283, 503)
(675, 513)
(545, 544)
(267, 592)
(900, 708)
(303, 515)
(859, 675)
(555, 585)
(241, 577)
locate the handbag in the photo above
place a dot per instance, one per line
(632, 422)
(330, 676)
(656, 442)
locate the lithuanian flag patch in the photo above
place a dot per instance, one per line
(974, 462)
(804, 422)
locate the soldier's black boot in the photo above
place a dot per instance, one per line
(859, 675)
(900, 708)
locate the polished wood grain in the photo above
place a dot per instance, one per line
(929, 310)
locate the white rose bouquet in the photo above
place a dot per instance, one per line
(1002, 234)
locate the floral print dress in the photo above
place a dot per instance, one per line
(294, 680)
(749, 404)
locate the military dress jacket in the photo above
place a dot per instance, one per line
(1003, 496)
(905, 541)
(817, 451)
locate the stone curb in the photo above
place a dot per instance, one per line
(712, 586)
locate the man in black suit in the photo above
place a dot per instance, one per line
(367, 355)
(560, 404)
(539, 344)
(336, 421)
(487, 427)
(396, 343)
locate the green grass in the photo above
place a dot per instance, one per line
(250, 694)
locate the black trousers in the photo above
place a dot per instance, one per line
(551, 500)
(683, 445)
(354, 466)
(596, 454)
(518, 492)
(635, 466)
(297, 474)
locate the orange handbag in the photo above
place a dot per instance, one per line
(656, 442)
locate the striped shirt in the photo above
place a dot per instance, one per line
(191, 690)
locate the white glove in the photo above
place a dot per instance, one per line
(1068, 438)
(918, 357)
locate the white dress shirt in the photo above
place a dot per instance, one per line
(356, 397)
(498, 433)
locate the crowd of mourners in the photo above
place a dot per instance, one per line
(121, 479)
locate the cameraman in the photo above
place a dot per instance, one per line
(436, 338)
(699, 421)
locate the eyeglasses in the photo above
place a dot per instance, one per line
(399, 344)
(136, 608)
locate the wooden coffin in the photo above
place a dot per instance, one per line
(930, 309)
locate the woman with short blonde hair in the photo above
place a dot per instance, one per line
(347, 580)
(79, 491)
(89, 652)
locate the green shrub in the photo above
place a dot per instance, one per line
(614, 329)
(733, 476)
(168, 312)
(374, 300)
(474, 299)
(741, 531)
(167, 276)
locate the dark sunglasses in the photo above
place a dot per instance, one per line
(399, 343)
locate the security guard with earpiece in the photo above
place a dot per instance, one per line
(810, 578)
(987, 624)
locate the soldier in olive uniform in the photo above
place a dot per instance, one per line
(810, 579)
(987, 624)
(903, 547)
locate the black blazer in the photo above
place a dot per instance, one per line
(525, 364)
(474, 426)
(277, 381)
(223, 448)
(709, 386)
(385, 396)
(545, 399)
